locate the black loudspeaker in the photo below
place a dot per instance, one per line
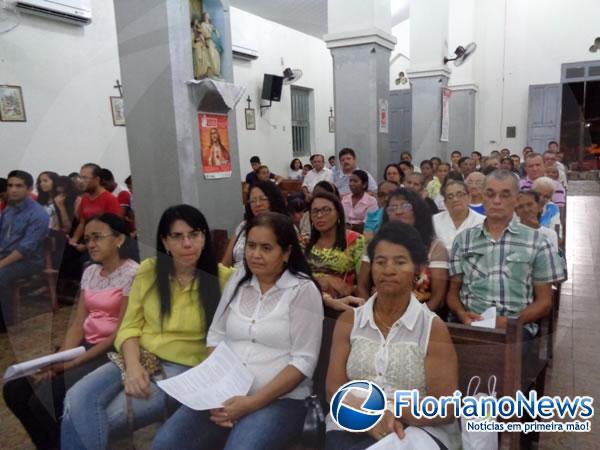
(272, 85)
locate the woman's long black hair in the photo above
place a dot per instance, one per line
(340, 227)
(206, 267)
(45, 197)
(423, 217)
(287, 238)
(273, 193)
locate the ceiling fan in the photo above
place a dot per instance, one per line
(290, 76)
(595, 46)
(461, 54)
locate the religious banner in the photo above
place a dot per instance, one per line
(383, 116)
(214, 144)
(446, 93)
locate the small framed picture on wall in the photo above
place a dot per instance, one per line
(118, 112)
(12, 108)
(250, 119)
(331, 124)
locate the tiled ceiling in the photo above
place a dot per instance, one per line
(307, 16)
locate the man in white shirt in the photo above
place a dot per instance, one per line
(317, 174)
(348, 165)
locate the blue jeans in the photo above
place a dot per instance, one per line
(8, 274)
(344, 440)
(95, 408)
(275, 426)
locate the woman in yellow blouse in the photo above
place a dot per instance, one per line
(171, 305)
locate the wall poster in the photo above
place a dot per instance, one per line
(214, 145)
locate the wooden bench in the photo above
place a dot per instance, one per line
(219, 242)
(289, 187)
(485, 352)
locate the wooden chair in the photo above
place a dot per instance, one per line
(289, 187)
(485, 352)
(219, 240)
(47, 277)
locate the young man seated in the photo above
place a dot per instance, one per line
(23, 228)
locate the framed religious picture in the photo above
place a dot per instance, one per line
(12, 108)
(250, 119)
(214, 145)
(331, 124)
(118, 113)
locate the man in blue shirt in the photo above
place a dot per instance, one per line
(23, 228)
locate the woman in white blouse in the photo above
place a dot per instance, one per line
(458, 216)
(396, 342)
(271, 316)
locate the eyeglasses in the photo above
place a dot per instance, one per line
(257, 200)
(325, 211)
(95, 238)
(458, 196)
(504, 195)
(192, 236)
(406, 207)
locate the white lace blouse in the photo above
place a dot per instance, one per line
(273, 330)
(395, 362)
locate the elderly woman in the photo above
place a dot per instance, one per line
(458, 216)
(430, 285)
(358, 202)
(395, 341)
(271, 317)
(550, 215)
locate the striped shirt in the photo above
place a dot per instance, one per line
(502, 272)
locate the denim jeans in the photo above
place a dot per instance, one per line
(344, 440)
(275, 426)
(96, 408)
(20, 269)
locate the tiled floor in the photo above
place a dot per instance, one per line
(576, 368)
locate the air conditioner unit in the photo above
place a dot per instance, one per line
(243, 53)
(74, 12)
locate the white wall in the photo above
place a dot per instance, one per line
(279, 47)
(535, 37)
(67, 74)
(400, 58)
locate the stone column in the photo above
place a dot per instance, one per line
(360, 40)
(428, 75)
(161, 112)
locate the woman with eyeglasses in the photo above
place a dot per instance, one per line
(431, 283)
(38, 401)
(264, 196)
(171, 305)
(333, 253)
(270, 316)
(458, 216)
(550, 215)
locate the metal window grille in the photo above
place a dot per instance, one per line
(300, 121)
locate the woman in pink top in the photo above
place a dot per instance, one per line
(358, 202)
(38, 402)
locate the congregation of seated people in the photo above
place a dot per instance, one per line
(311, 284)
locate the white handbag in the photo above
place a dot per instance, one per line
(474, 440)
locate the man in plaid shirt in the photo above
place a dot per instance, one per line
(502, 263)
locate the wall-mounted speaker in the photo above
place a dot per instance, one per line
(271, 89)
